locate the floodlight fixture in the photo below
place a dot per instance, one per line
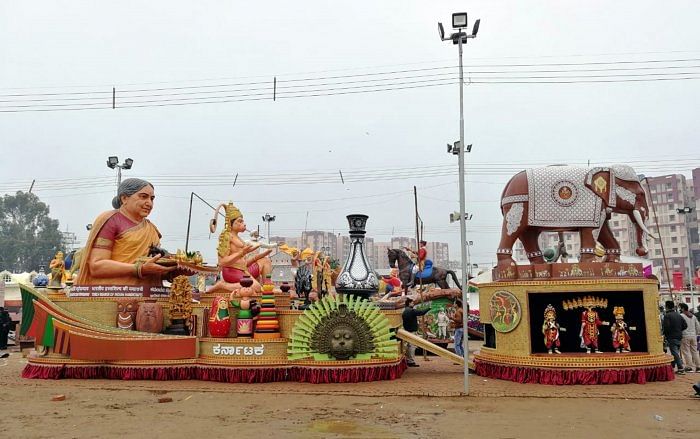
(459, 20)
(128, 163)
(441, 31)
(112, 162)
(469, 148)
(476, 27)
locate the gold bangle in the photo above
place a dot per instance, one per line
(138, 266)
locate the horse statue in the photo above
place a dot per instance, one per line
(438, 275)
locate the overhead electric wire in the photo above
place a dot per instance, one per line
(128, 99)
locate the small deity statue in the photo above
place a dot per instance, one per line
(620, 334)
(327, 286)
(589, 329)
(58, 270)
(442, 322)
(236, 257)
(550, 330)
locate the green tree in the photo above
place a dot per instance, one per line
(29, 238)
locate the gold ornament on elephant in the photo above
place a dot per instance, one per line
(600, 184)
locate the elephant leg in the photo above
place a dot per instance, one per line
(529, 238)
(612, 247)
(514, 223)
(587, 245)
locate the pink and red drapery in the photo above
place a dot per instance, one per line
(314, 375)
(534, 375)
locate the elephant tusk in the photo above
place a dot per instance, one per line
(640, 222)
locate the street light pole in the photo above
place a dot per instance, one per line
(268, 219)
(113, 162)
(459, 22)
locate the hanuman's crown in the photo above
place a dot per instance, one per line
(619, 312)
(232, 213)
(550, 312)
(585, 302)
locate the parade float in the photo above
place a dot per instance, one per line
(242, 329)
(594, 321)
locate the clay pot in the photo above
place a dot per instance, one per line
(149, 317)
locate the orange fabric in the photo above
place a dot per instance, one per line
(128, 247)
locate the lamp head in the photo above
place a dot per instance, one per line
(128, 163)
(112, 162)
(476, 27)
(459, 20)
(441, 31)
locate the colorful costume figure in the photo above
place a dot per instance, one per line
(127, 242)
(620, 335)
(589, 330)
(550, 330)
(393, 283)
(424, 266)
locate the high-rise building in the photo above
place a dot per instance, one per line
(402, 241)
(317, 240)
(670, 195)
(381, 259)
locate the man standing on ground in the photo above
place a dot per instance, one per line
(410, 324)
(459, 329)
(674, 325)
(689, 344)
(5, 323)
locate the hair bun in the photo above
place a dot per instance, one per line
(116, 202)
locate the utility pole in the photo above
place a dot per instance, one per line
(459, 22)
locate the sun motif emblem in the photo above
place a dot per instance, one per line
(564, 193)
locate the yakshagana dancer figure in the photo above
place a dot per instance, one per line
(550, 330)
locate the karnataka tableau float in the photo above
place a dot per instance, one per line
(119, 322)
(576, 343)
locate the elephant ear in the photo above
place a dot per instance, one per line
(598, 181)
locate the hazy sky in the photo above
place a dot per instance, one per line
(287, 153)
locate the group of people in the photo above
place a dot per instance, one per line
(681, 331)
(410, 323)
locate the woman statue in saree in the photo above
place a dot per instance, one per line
(236, 257)
(120, 237)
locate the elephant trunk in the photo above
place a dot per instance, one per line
(642, 233)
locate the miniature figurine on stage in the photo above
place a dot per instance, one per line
(589, 329)
(550, 330)
(620, 335)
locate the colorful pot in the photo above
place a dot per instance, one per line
(219, 318)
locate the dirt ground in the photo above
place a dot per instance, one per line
(425, 402)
